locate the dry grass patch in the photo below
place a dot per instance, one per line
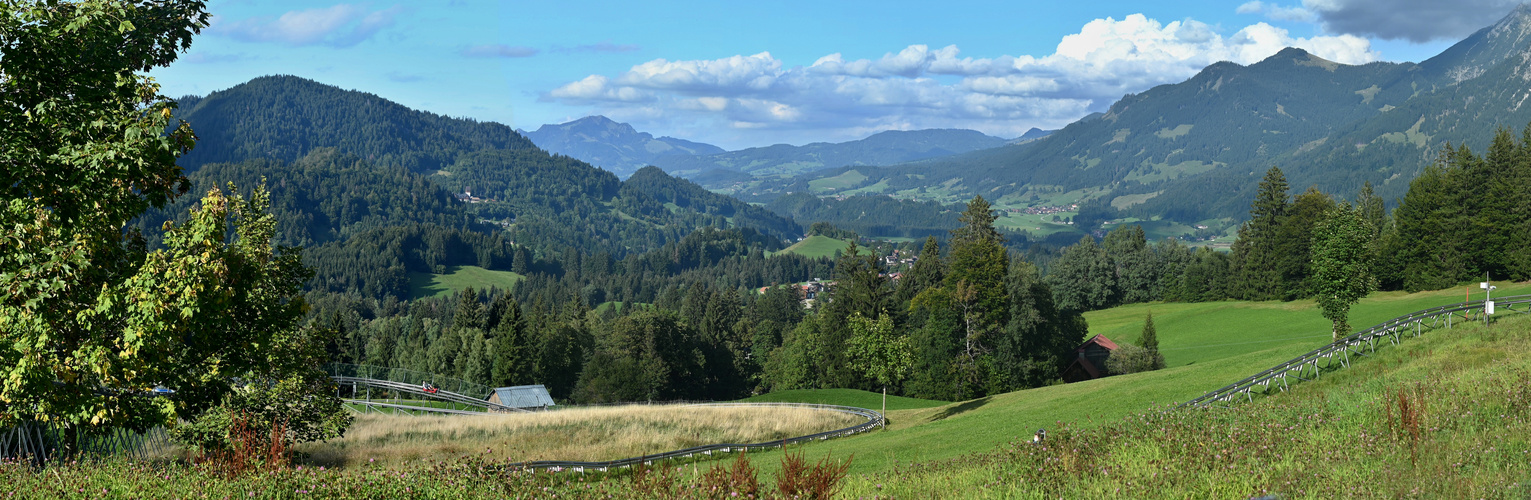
(586, 434)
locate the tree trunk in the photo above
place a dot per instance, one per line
(885, 406)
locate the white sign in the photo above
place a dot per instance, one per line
(1488, 307)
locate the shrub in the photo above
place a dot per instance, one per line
(1129, 358)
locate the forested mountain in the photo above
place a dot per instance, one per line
(324, 139)
(1195, 149)
(874, 216)
(286, 117)
(617, 147)
(883, 148)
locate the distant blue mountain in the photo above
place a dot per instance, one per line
(614, 146)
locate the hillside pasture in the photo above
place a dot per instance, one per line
(457, 278)
(1207, 346)
(816, 246)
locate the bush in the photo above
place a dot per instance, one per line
(1129, 358)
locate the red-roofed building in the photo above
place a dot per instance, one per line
(1090, 360)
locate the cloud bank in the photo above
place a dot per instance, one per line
(919, 87)
(1416, 21)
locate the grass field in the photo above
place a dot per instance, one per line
(1206, 345)
(1446, 415)
(816, 246)
(1200, 332)
(458, 278)
(844, 397)
(589, 434)
(836, 183)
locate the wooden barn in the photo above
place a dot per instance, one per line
(526, 397)
(1089, 360)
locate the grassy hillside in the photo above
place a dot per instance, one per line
(844, 397)
(816, 246)
(1200, 332)
(460, 277)
(1206, 345)
(1446, 415)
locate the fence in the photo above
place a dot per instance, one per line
(38, 442)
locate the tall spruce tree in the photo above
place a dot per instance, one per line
(1149, 341)
(928, 272)
(1256, 254)
(978, 259)
(511, 359)
(1294, 239)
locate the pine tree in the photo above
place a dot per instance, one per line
(1255, 254)
(1294, 239)
(1149, 341)
(511, 363)
(979, 261)
(928, 272)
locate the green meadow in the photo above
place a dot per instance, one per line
(458, 278)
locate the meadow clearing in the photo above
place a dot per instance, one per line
(581, 434)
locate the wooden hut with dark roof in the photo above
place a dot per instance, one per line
(1090, 360)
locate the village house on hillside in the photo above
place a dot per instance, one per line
(1090, 360)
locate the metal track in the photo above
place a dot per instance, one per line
(1306, 366)
(407, 388)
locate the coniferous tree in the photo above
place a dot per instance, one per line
(1294, 239)
(1428, 243)
(928, 271)
(1256, 253)
(1149, 341)
(1038, 336)
(978, 264)
(512, 363)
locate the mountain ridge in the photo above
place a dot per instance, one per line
(1192, 151)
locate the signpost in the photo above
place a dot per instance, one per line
(1488, 302)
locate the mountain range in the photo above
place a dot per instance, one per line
(1190, 152)
(623, 150)
(1194, 150)
(617, 147)
(882, 148)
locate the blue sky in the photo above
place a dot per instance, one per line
(760, 73)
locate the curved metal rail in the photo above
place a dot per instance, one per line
(873, 419)
(1340, 350)
(406, 388)
(408, 409)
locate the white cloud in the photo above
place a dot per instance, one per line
(919, 87)
(342, 25)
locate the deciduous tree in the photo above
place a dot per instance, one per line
(1341, 264)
